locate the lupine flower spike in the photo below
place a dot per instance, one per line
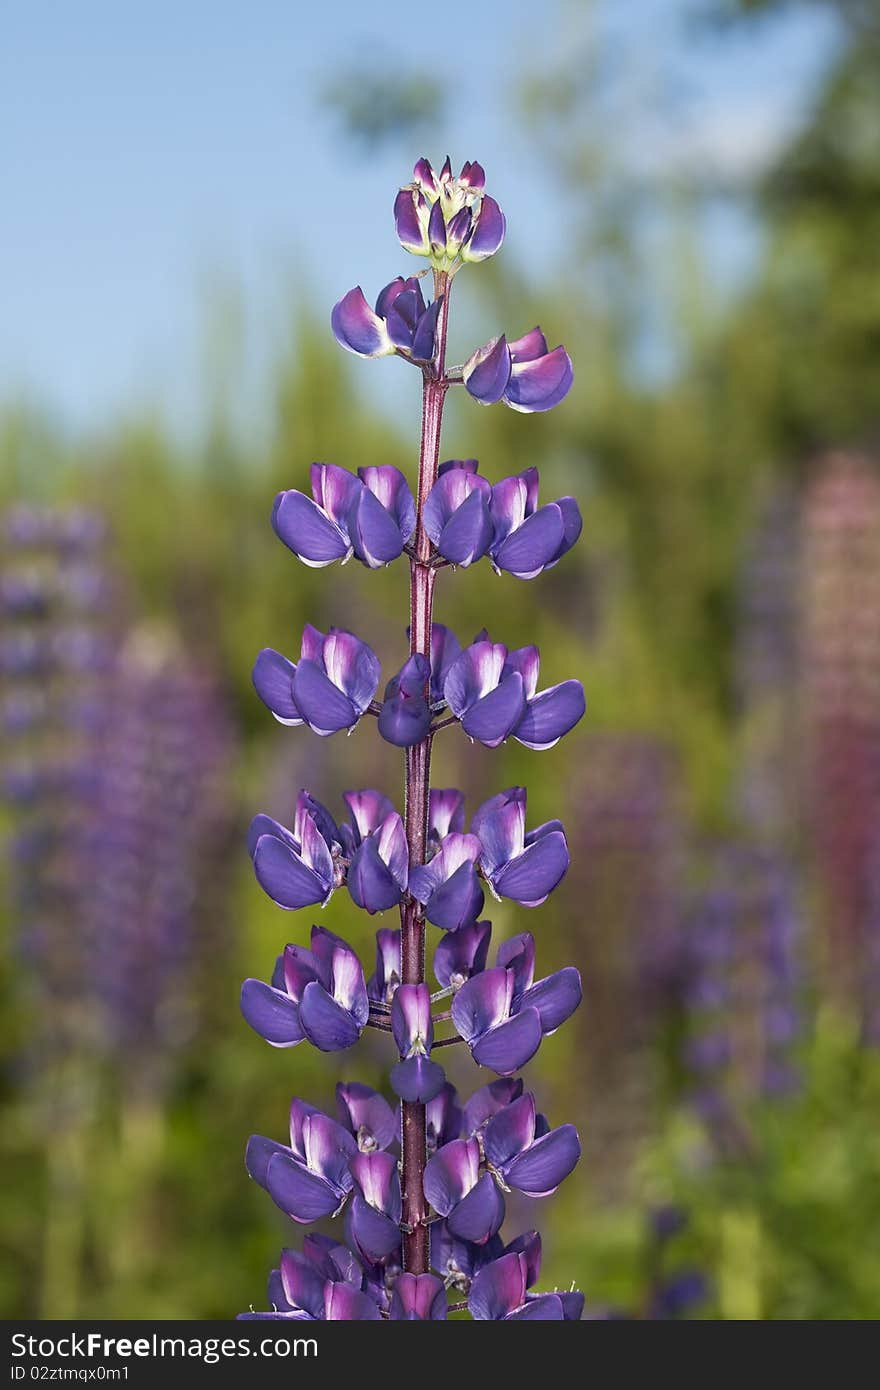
(415, 1178)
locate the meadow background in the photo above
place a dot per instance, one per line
(693, 199)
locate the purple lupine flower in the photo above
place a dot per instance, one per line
(445, 648)
(296, 868)
(321, 996)
(329, 688)
(321, 1283)
(499, 1292)
(450, 220)
(493, 691)
(529, 539)
(418, 1298)
(401, 322)
(445, 813)
(524, 1153)
(447, 885)
(519, 865)
(386, 977)
(415, 1077)
(524, 374)
(405, 717)
(373, 1223)
(456, 516)
(487, 1101)
(461, 954)
(502, 1015)
(311, 1177)
(456, 1260)
(470, 1201)
(371, 516)
(375, 840)
(367, 1114)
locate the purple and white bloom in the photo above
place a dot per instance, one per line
(470, 1201)
(529, 539)
(329, 688)
(457, 1261)
(461, 954)
(310, 1178)
(415, 1077)
(450, 220)
(371, 516)
(524, 374)
(524, 1153)
(487, 1101)
(386, 977)
(302, 1289)
(320, 995)
(499, 1291)
(456, 515)
(367, 1115)
(447, 886)
(296, 868)
(373, 1223)
(493, 691)
(418, 1298)
(375, 841)
(443, 1117)
(502, 1014)
(523, 866)
(405, 717)
(445, 813)
(401, 322)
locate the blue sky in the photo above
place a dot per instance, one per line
(152, 152)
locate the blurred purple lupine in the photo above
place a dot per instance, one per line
(430, 1221)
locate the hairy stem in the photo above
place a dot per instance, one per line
(418, 780)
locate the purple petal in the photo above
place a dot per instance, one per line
(370, 881)
(417, 1079)
(487, 371)
(376, 1174)
(393, 847)
(309, 806)
(510, 1132)
(526, 660)
(533, 875)
(411, 1019)
(300, 1111)
(462, 953)
(315, 851)
(459, 229)
(425, 177)
(551, 714)
(375, 1234)
(273, 681)
(326, 1024)
(454, 487)
(499, 1289)
(541, 1169)
(493, 718)
(572, 524)
(386, 977)
(482, 1003)
(488, 1100)
(342, 1303)
(390, 294)
(437, 230)
(572, 1305)
(404, 720)
(357, 328)
(466, 537)
(528, 1244)
(445, 812)
(352, 666)
(368, 809)
(389, 486)
(258, 1154)
(458, 902)
(335, 489)
(418, 1298)
(409, 229)
(424, 342)
(285, 878)
(488, 233)
(271, 1013)
(543, 1306)
(322, 705)
(443, 1117)
(480, 1214)
(555, 998)
(509, 1046)
(402, 317)
(517, 953)
(305, 530)
(328, 1149)
(541, 384)
(529, 347)
(367, 1114)
(445, 649)
(348, 987)
(302, 1286)
(500, 825)
(451, 1173)
(375, 534)
(475, 673)
(534, 544)
(304, 1196)
(473, 176)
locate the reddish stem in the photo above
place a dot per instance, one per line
(418, 778)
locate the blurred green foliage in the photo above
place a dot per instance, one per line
(146, 1211)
